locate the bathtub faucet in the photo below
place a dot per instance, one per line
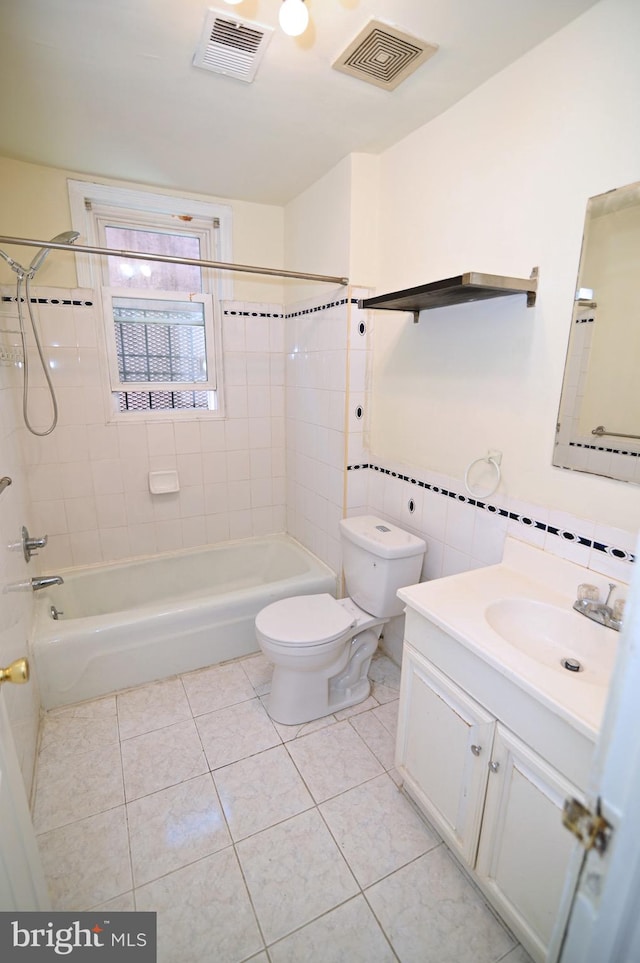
(44, 581)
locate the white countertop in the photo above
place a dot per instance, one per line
(457, 604)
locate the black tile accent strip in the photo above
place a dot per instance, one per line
(292, 314)
(253, 314)
(611, 451)
(618, 553)
(57, 302)
(322, 307)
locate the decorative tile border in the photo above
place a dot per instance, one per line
(57, 302)
(293, 314)
(610, 451)
(617, 553)
(322, 307)
(252, 314)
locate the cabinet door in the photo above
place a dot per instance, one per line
(524, 850)
(442, 751)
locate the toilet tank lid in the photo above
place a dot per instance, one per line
(381, 538)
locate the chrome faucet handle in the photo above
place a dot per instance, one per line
(29, 544)
(618, 610)
(588, 592)
(612, 587)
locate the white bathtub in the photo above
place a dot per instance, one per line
(133, 622)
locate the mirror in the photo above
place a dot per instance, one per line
(599, 419)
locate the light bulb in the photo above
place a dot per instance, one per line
(232, 2)
(293, 17)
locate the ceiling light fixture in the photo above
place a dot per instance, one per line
(293, 17)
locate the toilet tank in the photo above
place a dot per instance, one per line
(378, 558)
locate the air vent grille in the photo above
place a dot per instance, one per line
(383, 55)
(231, 46)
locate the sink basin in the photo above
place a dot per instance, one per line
(551, 635)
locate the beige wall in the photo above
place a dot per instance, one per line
(35, 204)
(317, 231)
(499, 183)
(332, 228)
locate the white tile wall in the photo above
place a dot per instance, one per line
(317, 335)
(88, 481)
(22, 702)
(461, 537)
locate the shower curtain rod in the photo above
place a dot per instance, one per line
(170, 259)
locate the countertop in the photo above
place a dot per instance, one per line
(457, 604)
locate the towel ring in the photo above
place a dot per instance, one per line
(491, 460)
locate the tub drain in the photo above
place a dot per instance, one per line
(571, 665)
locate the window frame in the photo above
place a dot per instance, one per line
(94, 206)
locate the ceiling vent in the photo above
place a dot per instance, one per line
(231, 46)
(383, 55)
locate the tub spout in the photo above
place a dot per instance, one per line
(44, 581)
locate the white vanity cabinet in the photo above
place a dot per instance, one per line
(496, 801)
(444, 745)
(524, 849)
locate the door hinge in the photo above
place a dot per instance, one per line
(591, 829)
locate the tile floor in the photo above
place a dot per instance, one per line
(252, 840)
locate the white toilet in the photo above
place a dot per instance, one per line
(321, 647)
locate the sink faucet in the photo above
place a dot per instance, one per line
(44, 581)
(602, 612)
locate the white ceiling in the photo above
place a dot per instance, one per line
(107, 87)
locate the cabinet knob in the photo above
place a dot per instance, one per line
(476, 750)
(494, 766)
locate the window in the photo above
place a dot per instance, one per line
(161, 318)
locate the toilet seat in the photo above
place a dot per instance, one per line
(304, 620)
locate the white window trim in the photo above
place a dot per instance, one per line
(83, 192)
(108, 294)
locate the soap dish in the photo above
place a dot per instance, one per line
(163, 482)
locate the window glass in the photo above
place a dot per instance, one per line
(160, 340)
(134, 273)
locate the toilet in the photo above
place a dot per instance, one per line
(321, 647)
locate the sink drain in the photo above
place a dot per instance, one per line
(571, 665)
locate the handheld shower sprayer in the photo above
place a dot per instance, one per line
(67, 237)
(27, 274)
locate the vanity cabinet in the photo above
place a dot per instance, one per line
(444, 744)
(524, 849)
(496, 802)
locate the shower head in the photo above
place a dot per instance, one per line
(67, 237)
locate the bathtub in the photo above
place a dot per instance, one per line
(127, 623)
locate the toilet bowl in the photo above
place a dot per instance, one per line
(321, 647)
(313, 641)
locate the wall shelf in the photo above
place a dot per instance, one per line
(471, 286)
